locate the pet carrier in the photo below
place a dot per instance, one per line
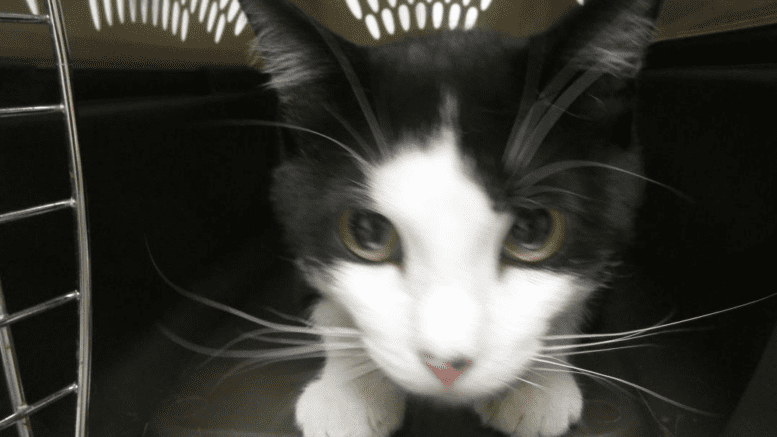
(156, 171)
(22, 410)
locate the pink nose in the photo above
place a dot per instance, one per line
(447, 371)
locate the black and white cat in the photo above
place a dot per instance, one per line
(455, 199)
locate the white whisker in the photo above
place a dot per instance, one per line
(655, 327)
(329, 331)
(358, 138)
(622, 381)
(255, 364)
(601, 350)
(598, 379)
(288, 317)
(609, 334)
(251, 365)
(257, 354)
(526, 381)
(537, 373)
(363, 163)
(616, 340)
(358, 91)
(362, 369)
(543, 172)
(253, 335)
(263, 338)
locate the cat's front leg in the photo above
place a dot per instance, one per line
(530, 411)
(337, 405)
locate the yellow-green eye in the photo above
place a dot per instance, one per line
(368, 235)
(536, 235)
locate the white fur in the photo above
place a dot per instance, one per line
(526, 410)
(451, 297)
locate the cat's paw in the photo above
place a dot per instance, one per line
(369, 407)
(528, 411)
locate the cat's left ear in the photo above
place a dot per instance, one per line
(304, 59)
(610, 36)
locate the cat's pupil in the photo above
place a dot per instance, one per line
(371, 230)
(531, 228)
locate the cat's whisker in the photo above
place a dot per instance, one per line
(261, 335)
(365, 361)
(243, 367)
(288, 317)
(572, 114)
(251, 365)
(542, 189)
(254, 363)
(349, 127)
(364, 368)
(609, 334)
(598, 379)
(555, 109)
(537, 374)
(258, 335)
(616, 340)
(526, 199)
(654, 416)
(533, 384)
(634, 346)
(548, 105)
(364, 165)
(276, 340)
(529, 97)
(566, 367)
(257, 354)
(661, 326)
(358, 91)
(548, 170)
(535, 104)
(329, 331)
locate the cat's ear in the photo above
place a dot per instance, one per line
(299, 54)
(610, 36)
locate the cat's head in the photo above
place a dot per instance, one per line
(459, 195)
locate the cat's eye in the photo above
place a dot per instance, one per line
(368, 235)
(535, 236)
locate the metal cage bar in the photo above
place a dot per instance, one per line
(22, 411)
(13, 379)
(30, 110)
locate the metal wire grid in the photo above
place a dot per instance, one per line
(21, 410)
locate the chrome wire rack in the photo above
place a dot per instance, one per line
(22, 411)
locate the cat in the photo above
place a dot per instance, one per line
(455, 199)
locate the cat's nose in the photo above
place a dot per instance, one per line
(447, 370)
(460, 363)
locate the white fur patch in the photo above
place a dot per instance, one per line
(450, 297)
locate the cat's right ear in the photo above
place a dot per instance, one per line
(610, 36)
(303, 58)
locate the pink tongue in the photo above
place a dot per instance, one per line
(443, 371)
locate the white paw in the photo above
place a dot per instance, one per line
(528, 411)
(367, 407)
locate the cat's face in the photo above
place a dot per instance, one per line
(454, 292)
(421, 220)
